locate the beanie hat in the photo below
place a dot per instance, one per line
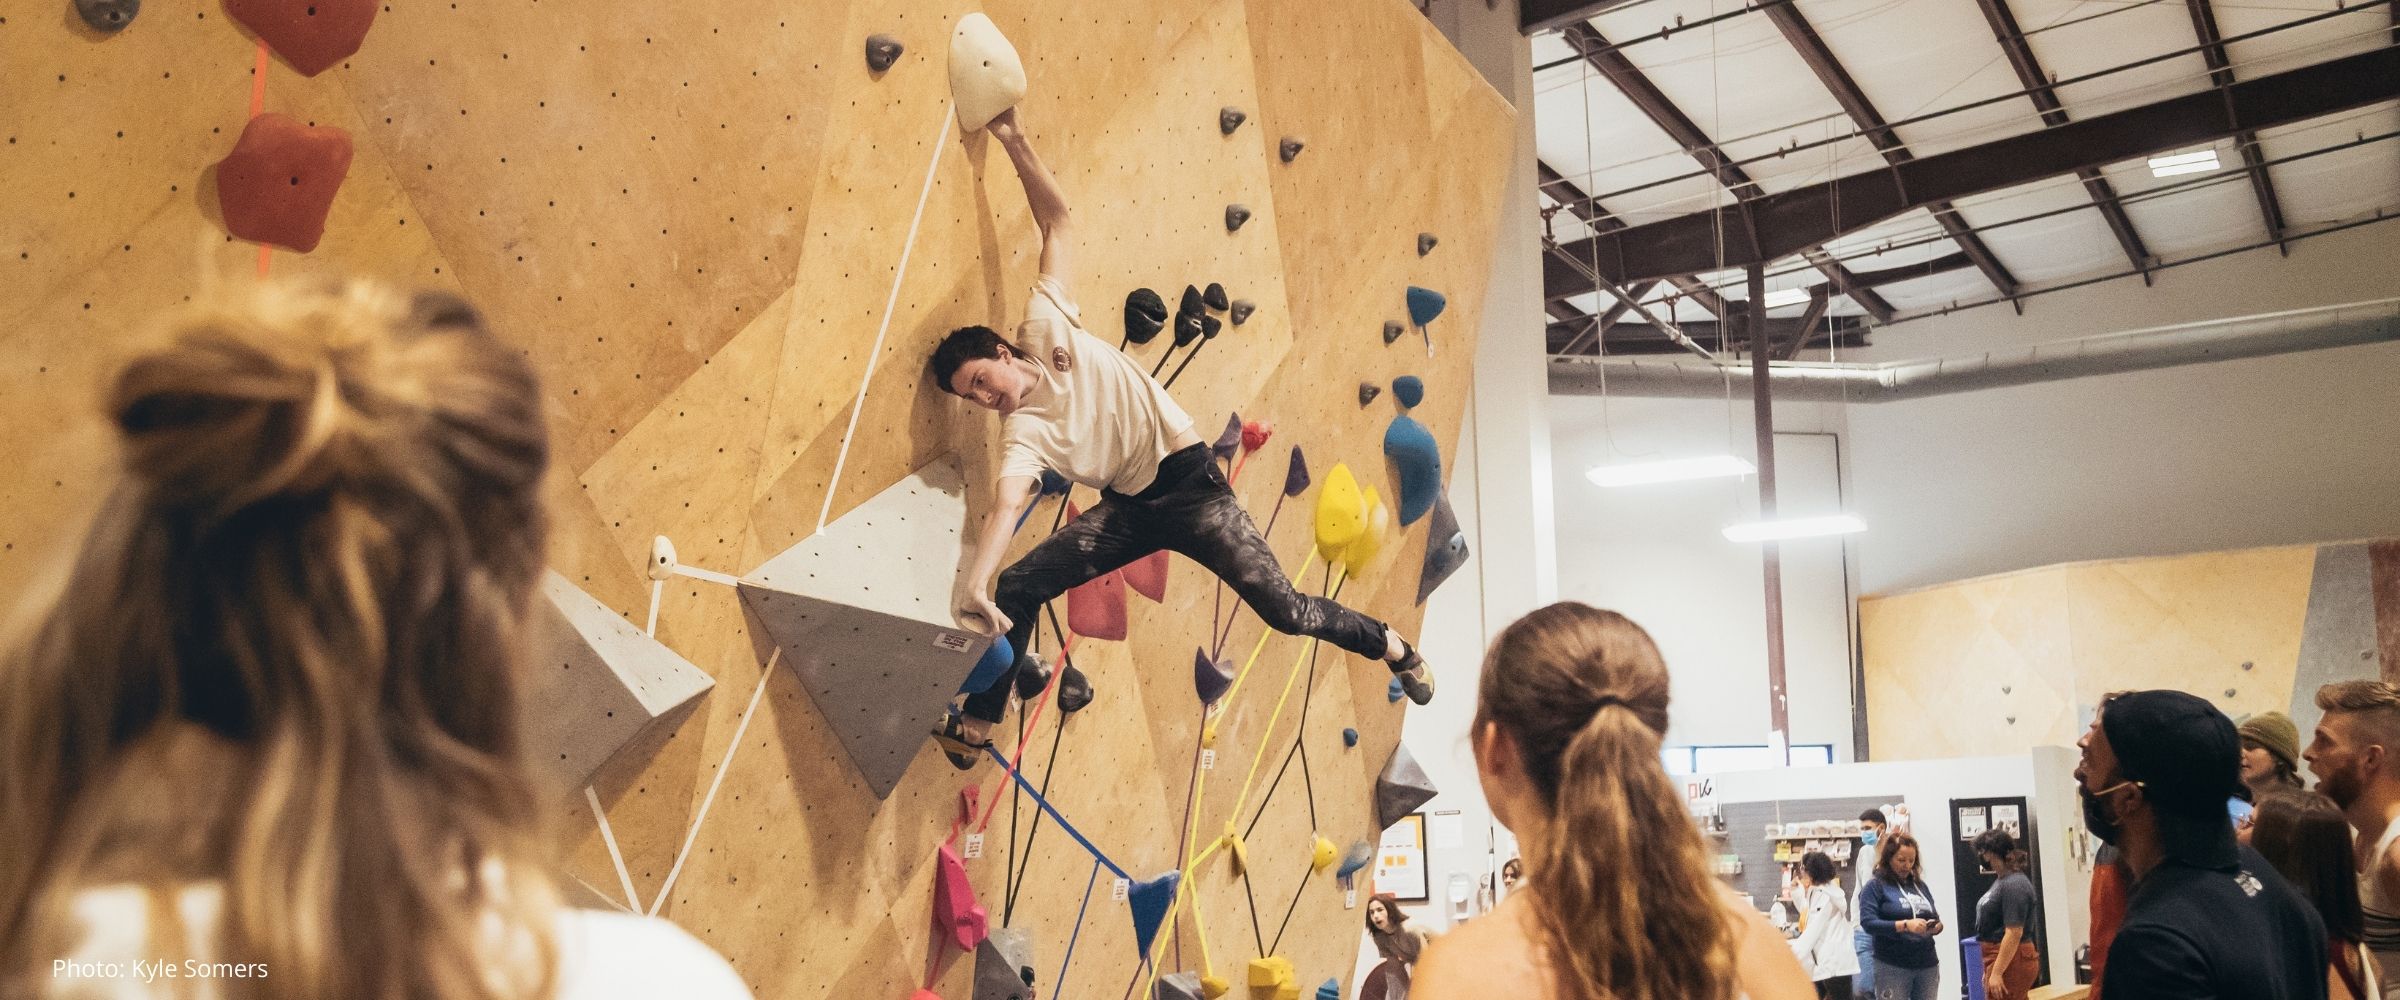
(2274, 732)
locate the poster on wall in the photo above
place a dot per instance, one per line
(1970, 823)
(2005, 818)
(1400, 860)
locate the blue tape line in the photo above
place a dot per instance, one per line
(1058, 987)
(1054, 814)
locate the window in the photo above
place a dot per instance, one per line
(1756, 757)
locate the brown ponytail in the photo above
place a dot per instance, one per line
(284, 662)
(1622, 891)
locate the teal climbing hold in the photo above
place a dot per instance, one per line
(1409, 389)
(1349, 737)
(1424, 304)
(1392, 692)
(1330, 990)
(1210, 678)
(1295, 478)
(1355, 859)
(1149, 901)
(996, 659)
(1410, 447)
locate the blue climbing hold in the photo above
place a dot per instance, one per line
(988, 670)
(1410, 389)
(1054, 484)
(1331, 990)
(1149, 901)
(1295, 479)
(1392, 692)
(1424, 304)
(1409, 446)
(1210, 679)
(1349, 737)
(1354, 859)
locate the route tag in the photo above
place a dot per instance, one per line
(974, 846)
(1208, 760)
(1349, 899)
(952, 641)
(1118, 889)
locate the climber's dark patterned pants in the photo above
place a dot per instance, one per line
(1188, 509)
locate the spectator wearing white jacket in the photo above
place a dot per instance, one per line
(1824, 941)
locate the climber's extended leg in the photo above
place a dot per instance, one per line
(1104, 538)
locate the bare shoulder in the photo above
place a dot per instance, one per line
(1491, 956)
(1763, 959)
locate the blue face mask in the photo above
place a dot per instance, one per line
(1867, 839)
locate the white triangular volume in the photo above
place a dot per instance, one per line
(598, 684)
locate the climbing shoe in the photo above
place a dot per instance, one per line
(953, 739)
(1075, 691)
(1033, 676)
(1416, 679)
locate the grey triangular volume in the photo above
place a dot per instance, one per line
(861, 612)
(1401, 788)
(1179, 986)
(1445, 548)
(1004, 966)
(600, 684)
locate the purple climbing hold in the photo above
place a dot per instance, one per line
(1235, 215)
(1229, 442)
(1291, 149)
(882, 52)
(1295, 478)
(1230, 118)
(1210, 678)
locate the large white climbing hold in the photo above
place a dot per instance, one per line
(599, 684)
(986, 76)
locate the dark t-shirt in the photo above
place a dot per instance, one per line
(2008, 903)
(2205, 934)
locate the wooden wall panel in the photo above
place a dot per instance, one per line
(691, 217)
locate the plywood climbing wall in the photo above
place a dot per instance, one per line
(692, 216)
(2000, 664)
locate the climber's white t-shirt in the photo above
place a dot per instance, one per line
(602, 955)
(1102, 422)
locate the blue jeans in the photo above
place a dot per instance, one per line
(1895, 983)
(1863, 984)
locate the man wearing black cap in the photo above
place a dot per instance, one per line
(2209, 919)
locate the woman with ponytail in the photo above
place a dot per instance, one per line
(1618, 902)
(2004, 918)
(267, 734)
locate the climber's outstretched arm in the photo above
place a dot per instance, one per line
(1042, 192)
(1012, 496)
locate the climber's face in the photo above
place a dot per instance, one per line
(997, 384)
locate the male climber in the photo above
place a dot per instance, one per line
(1074, 404)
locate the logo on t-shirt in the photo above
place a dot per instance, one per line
(2248, 882)
(1060, 359)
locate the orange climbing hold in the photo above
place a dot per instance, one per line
(278, 184)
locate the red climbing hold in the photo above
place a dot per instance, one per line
(312, 35)
(278, 183)
(1096, 610)
(1148, 576)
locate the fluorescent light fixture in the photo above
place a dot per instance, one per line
(1799, 527)
(2184, 163)
(1786, 297)
(1669, 471)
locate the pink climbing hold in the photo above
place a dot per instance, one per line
(955, 911)
(1096, 610)
(1255, 434)
(1148, 576)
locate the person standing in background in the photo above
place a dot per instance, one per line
(1897, 908)
(1395, 943)
(2270, 754)
(2004, 919)
(1862, 943)
(1825, 924)
(2305, 837)
(2355, 755)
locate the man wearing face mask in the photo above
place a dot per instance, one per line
(1872, 824)
(2208, 919)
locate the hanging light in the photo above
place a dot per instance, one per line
(1798, 527)
(1669, 471)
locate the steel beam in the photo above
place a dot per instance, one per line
(2045, 99)
(2220, 73)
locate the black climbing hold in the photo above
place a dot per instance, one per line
(1425, 243)
(1410, 390)
(1367, 391)
(1214, 297)
(882, 52)
(1210, 326)
(1210, 678)
(1235, 215)
(1349, 737)
(1291, 148)
(1074, 691)
(108, 15)
(1145, 315)
(1192, 300)
(1242, 308)
(1392, 329)
(1230, 118)
(1189, 327)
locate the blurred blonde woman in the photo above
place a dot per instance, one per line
(266, 736)
(1618, 902)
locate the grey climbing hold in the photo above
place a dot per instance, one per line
(1235, 215)
(883, 51)
(1242, 308)
(1230, 118)
(1291, 148)
(1445, 549)
(1425, 243)
(1392, 329)
(1401, 788)
(612, 686)
(1214, 297)
(1367, 391)
(1179, 986)
(1349, 737)
(109, 16)
(1004, 966)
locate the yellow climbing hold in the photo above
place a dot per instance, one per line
(1241, 849)
(1274, 970)
(1323, 855)
(1213, 987)
(1363, 549)
(1341, 513)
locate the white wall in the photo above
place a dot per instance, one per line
(2264, 451)
(1656, 554)
(2044, 778)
